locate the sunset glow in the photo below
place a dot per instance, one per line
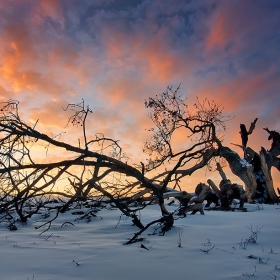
(114, 54)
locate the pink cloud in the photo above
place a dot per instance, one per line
(45, 10)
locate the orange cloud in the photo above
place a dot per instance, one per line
(4, 95)
(51, 114)
(219, 34)
(238, 91)
(148, 53)
(230, 23)
(115, 90)
(10, 61)
(159, 64)
(25, 51)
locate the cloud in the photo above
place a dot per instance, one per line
(25, 48)
(50, 9)
(4, 95)
(51, 114)
(116, 54)
(241, 23)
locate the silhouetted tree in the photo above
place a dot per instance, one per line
(96, 166)
(203, 124)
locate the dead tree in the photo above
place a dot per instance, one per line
(244, 134)
(91, 163)
(194, 203)
(24, 176)
(255, 168)
(227, 191)
(204, 124)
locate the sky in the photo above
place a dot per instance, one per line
(114, 54)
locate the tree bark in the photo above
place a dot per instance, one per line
(222, 173)
(242, 169)
(267, 176)
(215, 189)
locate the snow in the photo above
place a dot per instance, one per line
(245, 163)
(95, 250)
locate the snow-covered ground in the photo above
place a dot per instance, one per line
(95, 250)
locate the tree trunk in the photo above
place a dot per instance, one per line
(242, 169)
(222, 173)
(215, 189)
(267, 176)
(192, 208)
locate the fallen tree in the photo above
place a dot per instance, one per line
(25, 176)
(91, 163)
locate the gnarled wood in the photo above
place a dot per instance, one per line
(221, 172)
(215, 189)
(242, 169)
(267, 176)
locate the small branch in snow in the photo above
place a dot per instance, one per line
(274, 277)
(207, 251)
(144, 247)
(67, 223)
(49, 236)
